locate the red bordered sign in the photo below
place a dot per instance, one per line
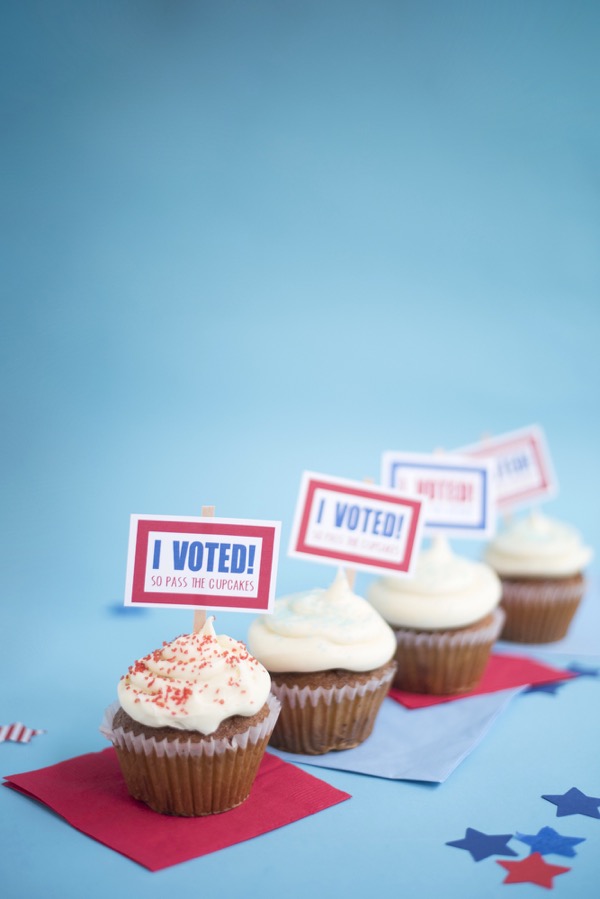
(360, 525)
(523, 467)
(202, 563)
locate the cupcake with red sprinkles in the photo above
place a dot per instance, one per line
(192, 723)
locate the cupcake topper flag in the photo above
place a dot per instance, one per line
(201, 563)
(522, 466)
(356, 524)
(458, 490)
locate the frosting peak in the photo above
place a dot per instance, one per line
(320, 630)
(538, 546)
(194, 683)
(446, 591)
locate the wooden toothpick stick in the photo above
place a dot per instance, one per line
(351, 572)
(200, 614)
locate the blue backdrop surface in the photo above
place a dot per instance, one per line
(241, 240)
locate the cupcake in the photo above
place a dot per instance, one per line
(192, 724)
(540, 563)
(445, 619)
(330, 657)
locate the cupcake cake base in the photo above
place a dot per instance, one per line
(186, 773)
(446, 661)
(539, 610)
(322, 711)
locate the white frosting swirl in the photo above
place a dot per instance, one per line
(538, 546)
(194, 683)
(320, 630)
(446, 591)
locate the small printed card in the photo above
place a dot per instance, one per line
(458, 490)
(362, 525)
(218, 563)
(523, 468)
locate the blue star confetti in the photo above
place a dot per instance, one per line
(121, 610)
(482, 845)
(552, 688)
(574, 802)
(548, 842)
(583, 671)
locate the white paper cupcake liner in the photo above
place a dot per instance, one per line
(452, 639)
(543, 592)
(182, 747)
(445, 662)
(317, 719)
(539, 612)
(301, 696)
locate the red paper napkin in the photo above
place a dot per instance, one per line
(502, 673)
(89, 792)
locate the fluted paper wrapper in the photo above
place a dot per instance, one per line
(539, 612)
(444, 662)
(315, 720)
(182, 777)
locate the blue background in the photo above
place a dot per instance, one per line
(241, 240)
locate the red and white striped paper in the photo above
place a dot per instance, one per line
(18, 733)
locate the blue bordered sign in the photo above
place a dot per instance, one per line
(458, 491)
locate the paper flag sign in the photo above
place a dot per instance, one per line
(361, 525)
(458, 491)
(202, 563)
(523, 470)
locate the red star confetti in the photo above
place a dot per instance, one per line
(18, 733)
(532, 869)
